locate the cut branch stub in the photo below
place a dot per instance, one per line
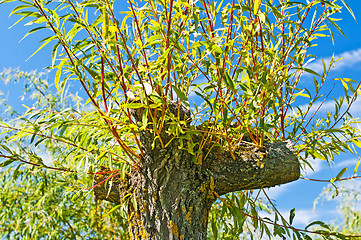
(110, 186)
(253, 168)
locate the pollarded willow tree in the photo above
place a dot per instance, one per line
(189, 106)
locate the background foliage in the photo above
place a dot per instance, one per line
(237, 65)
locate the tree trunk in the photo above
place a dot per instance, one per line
(173, 191)
(173, 198)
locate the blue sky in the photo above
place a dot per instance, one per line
(300, 194)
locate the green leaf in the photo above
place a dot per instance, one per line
(349, 9)
(46, 41)
(308, 71)
(181, 95)
(57, 77)
(335, 25)
(7, 162)
(32, 31)
(229, 82)
(302, 94)
(214, 229)
(322, 224)
(357, 143)
(112, 210)
(153, 38)
(217, 49)
(133, 105)
(292, 215)
(339, 175)
(356, 167)
(6, 148)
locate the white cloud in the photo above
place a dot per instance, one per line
(304, 216)
(355, 109)
(349, 58)
(329, 106)
(276, 191)
(197, 81)
(326, 106)
(47, 158)
(349, 194)
(317, 165)
(347, 163)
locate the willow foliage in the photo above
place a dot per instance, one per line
(239, 66)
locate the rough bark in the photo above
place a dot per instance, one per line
(253, 168)
(174, 193)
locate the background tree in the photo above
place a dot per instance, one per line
(348, 195)
(185, 101)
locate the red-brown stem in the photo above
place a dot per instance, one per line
(209, 19)
(169, 57)
(195, 64)
(308, 110)
(240, 57)
(118, 55)
(134, 67)
(262, 43)
(67, 52)
(312, 30)
(252, 42)
(130, 153)
(44, 136)
(52, 168)
(281, 88)
(349, 105)
(344, 113)
(229, 32)
(103, 85)
(337, 180)
(181, 28)
(274, 207)
(49, 111)
(125, 148)
(36, 164)
(140, 37)
(104, 179)
(297, 31)
(211, 28)
(137, 72)
(100, 50)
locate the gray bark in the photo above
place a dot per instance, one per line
(253, 168)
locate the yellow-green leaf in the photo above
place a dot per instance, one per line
(356, 167)
(339, 175)
(357, 143)
(113, 29)
(257, 4)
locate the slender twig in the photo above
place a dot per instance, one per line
(103, 85)
(274, 207)
(337, 180)
(104, 179)
(141, 39)
(304, 116)
(36, 164)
